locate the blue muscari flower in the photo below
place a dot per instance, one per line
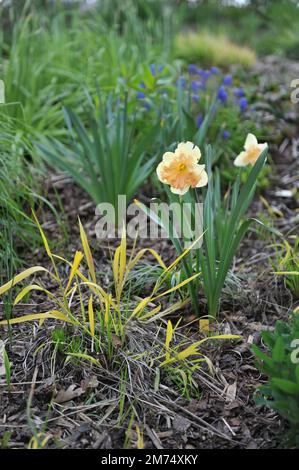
(146, 105)
(199, 120)
(200, 72)
(142, 85)
(222, 94)
(228, 80)
(140, 95)
(226, 134)
(239, 92)
(192, 69)
(195, 85)
(195, 98)
(181, 82)
(243, 103)
(214, 70)
(207, 74)
(152, 68)
(155, 69)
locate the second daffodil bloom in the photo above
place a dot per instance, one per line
(252, 151)
(180, 169)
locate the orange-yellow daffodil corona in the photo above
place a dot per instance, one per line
(252, 151)
(180, 169)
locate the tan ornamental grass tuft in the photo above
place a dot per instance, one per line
(212, 49)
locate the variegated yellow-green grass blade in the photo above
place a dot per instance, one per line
(150, 316)
(88, 254)
(47, 247)
(119, 266)
(123, 259)
(39, 441)
(287, 273)
(204, 325)
(30, 288)
(107, 312)
(20, 277)
(91, 316)
(86, 357)
(140, 441)
(141, 306)
(174, 264)
(288, 254)
(54, 314)
(98, 290)
(181, 284)
(193, 348)
(179, 258)
(151, 313)
(115, 268)
(44, 238)
(76, 263)
(142, 252)
(169, 335)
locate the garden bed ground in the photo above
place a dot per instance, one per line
(84, 412)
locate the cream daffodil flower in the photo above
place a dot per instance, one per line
(252, 151)
(180, 169)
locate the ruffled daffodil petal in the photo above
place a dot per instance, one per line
(203, 177)
(252, 152)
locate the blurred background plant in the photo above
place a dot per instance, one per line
(109, 159)
(16, 196)
(286, 263)
(266, 27)
(215, 48)
(280, 365)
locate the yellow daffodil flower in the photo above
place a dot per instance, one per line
(180, 169)
(252, 152)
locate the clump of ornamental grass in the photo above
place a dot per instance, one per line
(16, 194)
(208, 48)
(123, 340)
(102, 156)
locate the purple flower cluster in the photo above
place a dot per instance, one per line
(199, 79)
(140, 95)
(156, 69)
(192, 69)
(198, 82)
(228, 80)
(243, 103)
(226, 134)
(181, 82)
(199, 120)
(222, 94)
(239, 92)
